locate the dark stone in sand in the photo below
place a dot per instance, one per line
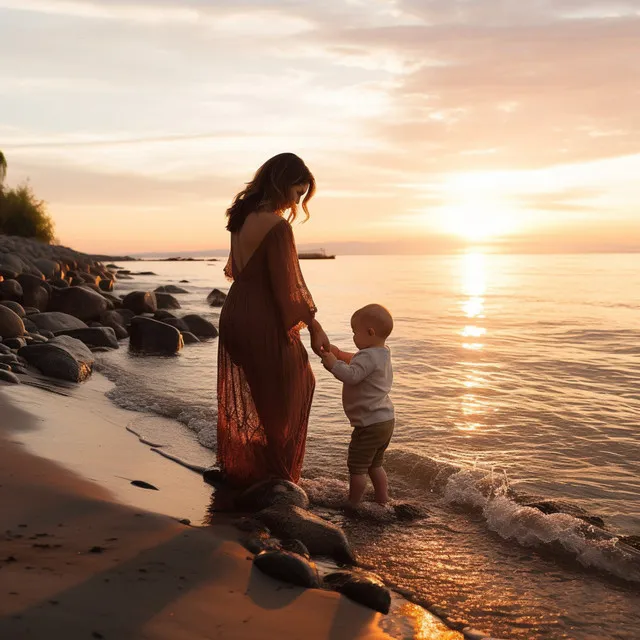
(35, 337)
(295, 546)
(17, 308)
(199, 326)
(10, 290)
(362, 587)
(251, 525)
(6, 273)
(318, 535)
(154, 337)
(11, 324)
(8, 358)
(93, 336)
(4, 349)
(189, 338)
(50, 269)
(216, 298)
(62, 357)
(5, 367)
(80, 302)
(143, 273)
(288, 567)
(115, 321)
(259, 541)
(182, 282)
(31, 310)
(30, 326)
(213, 475)
(178, 323)
(8, 376)
(106, 284)
(271, 492)
(56, 321)
(166, 301)
(15, 343)
(140, 302)
(60, 283)
(163, 314)
(560, 506)
(18, 368)
(171, 288)
(143, 485)
(37, 298)
(407, 511)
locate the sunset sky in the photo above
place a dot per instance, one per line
(429, 124)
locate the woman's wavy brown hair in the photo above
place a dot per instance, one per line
(271, 186)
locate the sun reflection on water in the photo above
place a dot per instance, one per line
(474, 287)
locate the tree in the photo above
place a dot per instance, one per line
(3, 168)
(22, 214)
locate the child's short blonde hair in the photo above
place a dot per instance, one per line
(377, 317)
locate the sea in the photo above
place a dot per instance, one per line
(516, 383)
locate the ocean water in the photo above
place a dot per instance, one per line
(517, 379)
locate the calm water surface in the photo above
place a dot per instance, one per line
(522, 371)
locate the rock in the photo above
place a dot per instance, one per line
(36, 337)
(213, 475)
(166, 301)
(181, 282)
(8, 376)
(8, 358)
(8, 274)
(189, 338)
(295, 546)
(10, 290)
(271, 492)
(251, 525)
(318, 535)
(37, 297)
(106, 284)
(80, 302)
(140, 302)
(15, 307)
(178, 323)
(18, 368)
(7, 367)
(259, 541)
(362, 587)
(59, 283)
(560, 506)
(199, 326)
(216, 298)
(288, 567)
(15, 343)
(49, 268)
(154, 337)
(126, 315)
(171, 288)
(30, 326)
(407, 511)
(62, 357)
(11, 324)
(56, 321)
(163, 314)
(4, 349)
(31, 310)
(93, 336)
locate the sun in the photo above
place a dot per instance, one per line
(479, 220)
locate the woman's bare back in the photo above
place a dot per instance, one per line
(245, 242)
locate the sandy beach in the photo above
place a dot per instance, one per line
(84, 554)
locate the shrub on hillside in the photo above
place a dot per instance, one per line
(22, 214)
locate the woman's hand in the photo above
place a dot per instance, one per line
(319, 340)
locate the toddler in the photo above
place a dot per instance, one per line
(367, 378)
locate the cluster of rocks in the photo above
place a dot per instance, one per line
(57, 306)
(285, 536)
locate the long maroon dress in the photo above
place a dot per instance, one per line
(265, 382)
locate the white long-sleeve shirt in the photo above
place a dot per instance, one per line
(367, 382)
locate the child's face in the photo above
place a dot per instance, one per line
(362, 335)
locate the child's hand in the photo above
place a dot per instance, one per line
(328, 359)
(334, 350)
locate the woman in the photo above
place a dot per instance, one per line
(265, 382)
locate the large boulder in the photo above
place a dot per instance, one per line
(271, 492)
(166, 301)
(178, 323)
(11, 324)
(8, 376)
(288, 567)
(362, 587)
(153, 337)
(199, 326)
(56, 321)
(318, 535)
(93, 336)
(81, 302)
(170, 288)
(114, 320)
(62, 357)
(37, 297)
(216, 298)
(15, 307)
(10, 290)
(49, 268)
(140, 302)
